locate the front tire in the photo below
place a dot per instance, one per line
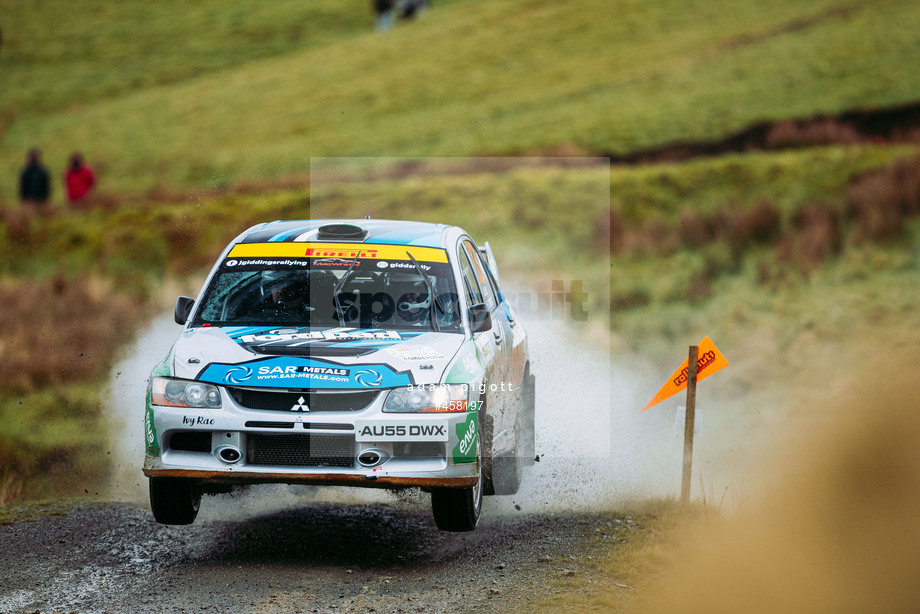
(458, 509)
(174, 500)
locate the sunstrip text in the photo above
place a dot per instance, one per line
(330, 335)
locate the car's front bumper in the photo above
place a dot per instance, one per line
(315, 448)
(316, 478)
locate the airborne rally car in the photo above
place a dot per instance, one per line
(366, 353)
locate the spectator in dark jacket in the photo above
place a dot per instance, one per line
(78, 179)
(34, 182)
(385, 11)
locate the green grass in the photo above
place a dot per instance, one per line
(660, 192)
(473, 77)
(60, 55)
(35, 510)
(551, 222)
(54, 443)
(544, 222)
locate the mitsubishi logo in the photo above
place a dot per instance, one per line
(300, 405)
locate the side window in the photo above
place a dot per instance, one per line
(470, 286)
(488, 293)
(492, 282)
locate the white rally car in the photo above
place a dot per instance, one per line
(370, 353)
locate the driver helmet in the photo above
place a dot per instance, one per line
(414, 303)
(282, 288)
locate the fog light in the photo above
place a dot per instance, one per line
(229, 454)
(372, 458)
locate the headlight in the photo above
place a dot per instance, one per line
(183, 393)
(430, 398)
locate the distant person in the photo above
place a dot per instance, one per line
(34, 182)
(78, 179)
(409, 9)
(385, 12)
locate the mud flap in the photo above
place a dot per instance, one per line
(485, 440)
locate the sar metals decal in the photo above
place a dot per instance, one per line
(294, 372)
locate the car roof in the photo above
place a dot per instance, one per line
(385, 232)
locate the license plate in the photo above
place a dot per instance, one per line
(383, 430)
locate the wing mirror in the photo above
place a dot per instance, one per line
(184, 306)
(480, 318)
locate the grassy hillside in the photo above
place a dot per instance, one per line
(60, 55)
(259, 92)
(77, 285)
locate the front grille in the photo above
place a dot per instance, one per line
(309, 352)
(260, 424)
(329, 426)
(301, 450)
(291, 401)
(418, 449)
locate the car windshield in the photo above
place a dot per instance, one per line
(331, 292)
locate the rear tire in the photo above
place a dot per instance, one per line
(174, 500)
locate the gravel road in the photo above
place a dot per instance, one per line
(320, 557)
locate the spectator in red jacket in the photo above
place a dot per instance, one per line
(78, 179)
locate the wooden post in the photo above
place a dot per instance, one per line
(689, 423)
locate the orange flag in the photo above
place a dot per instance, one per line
(709, 360)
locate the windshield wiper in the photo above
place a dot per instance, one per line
(436, 300)
(338, 288)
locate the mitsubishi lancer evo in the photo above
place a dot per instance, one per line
(367, 353)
